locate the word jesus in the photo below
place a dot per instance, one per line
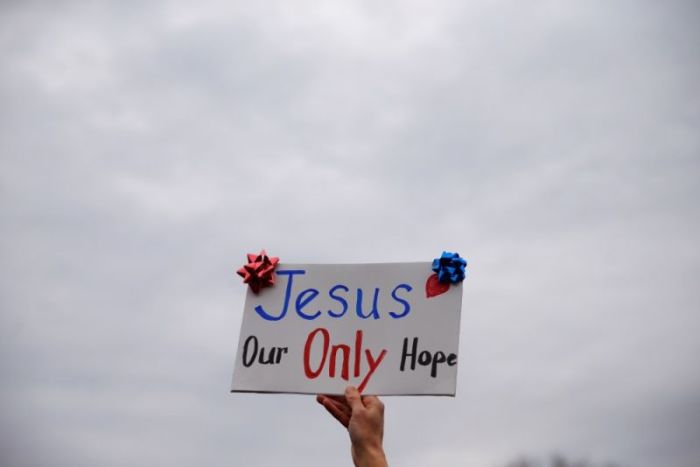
(330, 353)
(339, 294)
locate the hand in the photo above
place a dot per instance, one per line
(363, 416)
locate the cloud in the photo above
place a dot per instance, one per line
(144, 150)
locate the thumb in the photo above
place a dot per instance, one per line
(352, 396)
(372, 401)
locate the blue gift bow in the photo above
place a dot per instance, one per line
(450, 267)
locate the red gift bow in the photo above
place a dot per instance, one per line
(260, 271)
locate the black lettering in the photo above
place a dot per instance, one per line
(424, 358)
(252, 352)
(280, 351)
(405, 354)
(249, 361)
(270, 356)
(438, 359)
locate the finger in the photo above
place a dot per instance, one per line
(343, 407)
(336, 410)
(339, 404)
(373, 401)
(353, 398)
(340, 399)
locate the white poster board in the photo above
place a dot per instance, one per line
(322, 327)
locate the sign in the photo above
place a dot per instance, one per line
(322, 327)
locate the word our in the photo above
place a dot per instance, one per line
(251, 353)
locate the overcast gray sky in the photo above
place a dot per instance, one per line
(145, 147)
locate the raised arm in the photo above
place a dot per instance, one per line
(363, 416)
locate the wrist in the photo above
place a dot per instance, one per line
(369, 456)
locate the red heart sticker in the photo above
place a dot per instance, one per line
(434, 287)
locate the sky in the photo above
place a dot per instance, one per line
(145, 147)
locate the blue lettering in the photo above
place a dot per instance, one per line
(339, 299)
(288, 292)
(303, 299)
(374, 313)
(406, 305)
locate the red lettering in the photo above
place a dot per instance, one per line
(307, 353)
(346, 361)
(372, 366)
(358, 351)
(344, 351)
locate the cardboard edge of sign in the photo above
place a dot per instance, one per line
(298, 393)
